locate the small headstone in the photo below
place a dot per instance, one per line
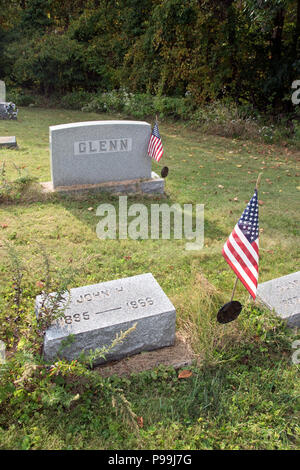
(95, 314)
(86, 154)
(283, 295)
(8, 142)
(2, 91)
(2, 352)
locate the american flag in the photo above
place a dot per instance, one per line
(155, 148)
(241, 249)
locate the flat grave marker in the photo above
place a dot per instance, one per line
(95, 314)
(283, 295)
(8, 142)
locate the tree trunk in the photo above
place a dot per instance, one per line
(276, 52)
(296, 33)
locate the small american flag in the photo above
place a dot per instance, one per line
(155, 148)
(241, 249)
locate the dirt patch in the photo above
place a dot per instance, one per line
(177, 356)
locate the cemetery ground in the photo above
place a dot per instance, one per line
(242, 390)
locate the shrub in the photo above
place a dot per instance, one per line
(109, 102)
(141, 105)
(75, 100)
(225, 119)
(174, 107)
(20, 98)
(13, 189)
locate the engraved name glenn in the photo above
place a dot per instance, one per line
(90, 147)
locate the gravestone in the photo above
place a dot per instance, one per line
(2, 352)
(104, 155)
(283, 295)
(95, 314)
(8, 110)
(2, 91)
(8, 142)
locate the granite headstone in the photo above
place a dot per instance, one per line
(95, 314)
(2, 352)
(283, 295)
(86, 154)
(2, 91)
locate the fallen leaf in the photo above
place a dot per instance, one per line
(185, 374)
(220, 186)
(40, 284)
(90, 208)
(140, 421)
(4, 225)
(260, 202)
(239, 166)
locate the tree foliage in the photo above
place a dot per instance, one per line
(244, 50)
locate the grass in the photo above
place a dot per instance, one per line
(244, 393)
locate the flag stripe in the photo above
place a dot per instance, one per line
(243, 261)
(246, 243)
(246, 254)
(255, 246)
(241, 248)
(237, 272)
(241, 272)
(155, 148)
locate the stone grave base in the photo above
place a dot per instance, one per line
(154, 185)
(8, 142)
(177, 356)
(283, 295)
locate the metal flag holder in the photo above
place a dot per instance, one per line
(231, 310)
(164, 172)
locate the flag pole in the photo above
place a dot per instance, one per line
(234, 287)
(235, 283)
(258, 181)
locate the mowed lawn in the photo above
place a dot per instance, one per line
(244, 388)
